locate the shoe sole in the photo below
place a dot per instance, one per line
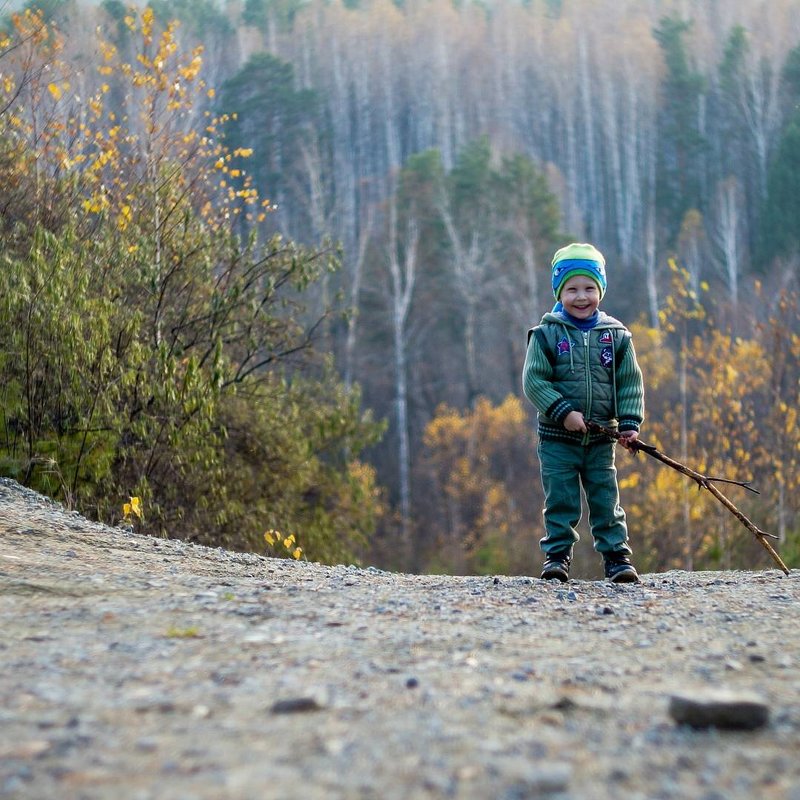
(555, 575)
(625, 576)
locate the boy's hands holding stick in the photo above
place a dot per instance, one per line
(575, 422)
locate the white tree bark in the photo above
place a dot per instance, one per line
(402, 262)
(355, 274)
(727, 233)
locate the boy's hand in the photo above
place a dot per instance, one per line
(575, 422)
(627, 438)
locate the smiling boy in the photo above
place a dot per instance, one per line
(580, 365)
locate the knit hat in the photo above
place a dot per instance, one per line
(579, 259)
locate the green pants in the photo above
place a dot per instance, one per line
(565, 467)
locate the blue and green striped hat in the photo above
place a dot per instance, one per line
(579, 259)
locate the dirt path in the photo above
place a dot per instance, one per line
(139, 668)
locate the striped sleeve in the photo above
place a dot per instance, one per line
(537, 383)
(630, 392)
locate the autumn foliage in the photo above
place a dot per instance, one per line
(153, 343)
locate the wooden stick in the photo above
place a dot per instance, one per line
(704, 482)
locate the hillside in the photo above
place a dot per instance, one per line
(132, 667)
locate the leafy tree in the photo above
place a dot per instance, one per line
(480, 465)
(780, 232)
(203, 17)
(679, 186)
(149, 350)
(271, 116)
(722, 404)
(267, 14)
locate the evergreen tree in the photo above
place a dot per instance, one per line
(780, 230)
(680, 168)
(271, 116)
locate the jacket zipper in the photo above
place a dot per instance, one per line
(588, 382)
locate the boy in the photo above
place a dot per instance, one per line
(580, 365)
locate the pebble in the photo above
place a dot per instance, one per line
(295, 705)
(719, 708)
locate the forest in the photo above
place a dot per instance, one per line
(268, 266)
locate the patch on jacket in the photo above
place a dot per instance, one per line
(606, 356)
(606, 337)
(564, 346)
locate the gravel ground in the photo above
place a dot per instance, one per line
(142, 668)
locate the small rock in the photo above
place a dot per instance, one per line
(525, 780)
(146, 745)
(295, 705)
(719, 708)
(412, 683)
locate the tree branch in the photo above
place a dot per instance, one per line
(704, 482)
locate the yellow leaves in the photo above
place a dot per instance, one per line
(147, 24)
(93, 206)
(124, 218)
(133, 508)
(289, 543)
(107, 50)
(55, 90)
(630, 482)
(243, 152)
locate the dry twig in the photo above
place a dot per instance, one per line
(704, 482)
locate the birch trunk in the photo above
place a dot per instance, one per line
(402, 273)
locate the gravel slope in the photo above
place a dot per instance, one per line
(140, 668)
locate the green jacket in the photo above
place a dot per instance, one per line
(594, 372)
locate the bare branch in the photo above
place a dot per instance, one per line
(704, 482)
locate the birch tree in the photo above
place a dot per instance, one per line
(728, 234)
(402, 277)
(469, 216)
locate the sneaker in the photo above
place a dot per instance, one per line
(556, 566)
(619, 568)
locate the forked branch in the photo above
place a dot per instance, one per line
(704, 482)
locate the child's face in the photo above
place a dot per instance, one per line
(580, 297)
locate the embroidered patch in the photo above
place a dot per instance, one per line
(606, 337)
(564, 346)
(606, 357)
